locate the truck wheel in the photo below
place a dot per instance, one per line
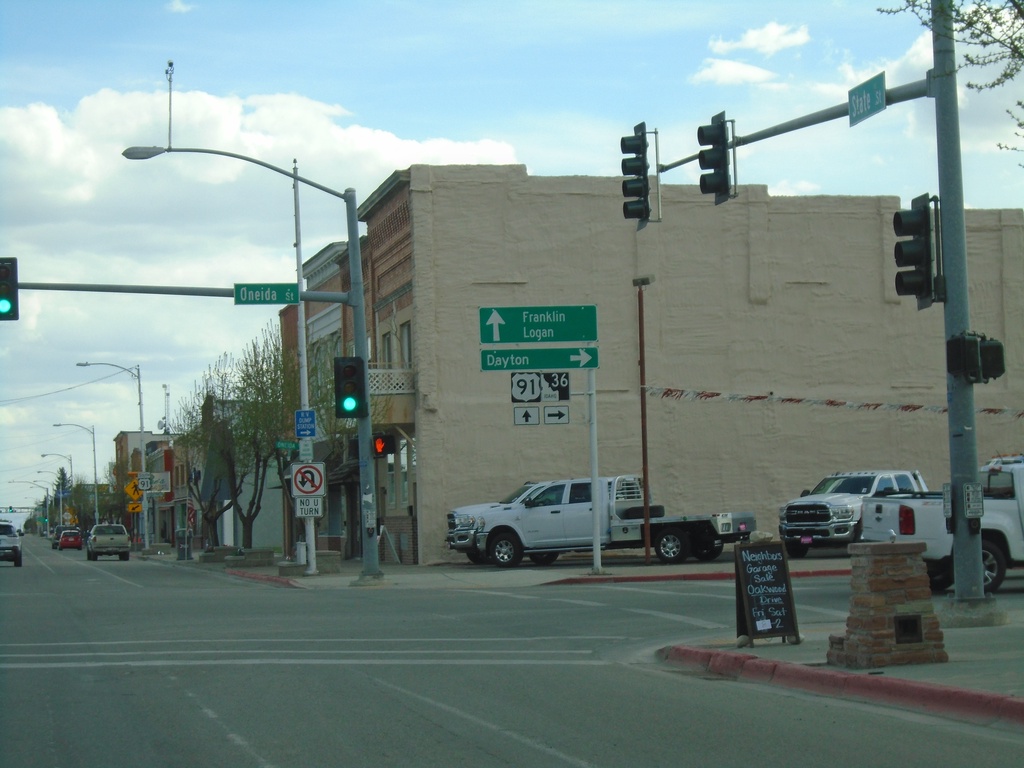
(17, 560)
(544, 558)
(707, 550)
(993, 564)
(941, 579)
(796, 549)
(672, 546)
(124, 555)
(505, 550)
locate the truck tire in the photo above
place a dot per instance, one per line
(993, 565)
(505, 550)
(124, 555)
(672, 546)
(17, 560)
(940, 578)
(707, 550)
(544, 558)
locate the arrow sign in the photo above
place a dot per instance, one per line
(538, 359)
(514, 325)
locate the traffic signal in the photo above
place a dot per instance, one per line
(636, 186)
(350, 395)
(974, 357)
(715, 158)
(918, 253)
(8, 289)
(382, 445)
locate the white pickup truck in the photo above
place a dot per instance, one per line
(542, 520)
(108, 539)
(829, 514)
(921, 517)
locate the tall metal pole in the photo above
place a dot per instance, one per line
(640, 282)
(963, 446)
(309, 523)
(367, 505)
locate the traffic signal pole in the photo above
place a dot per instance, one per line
(969, 607)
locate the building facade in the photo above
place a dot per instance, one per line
(776, 347)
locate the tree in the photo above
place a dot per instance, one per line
(994, 35)
(266, 400)
(203, 445)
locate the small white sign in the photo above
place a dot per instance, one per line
(526, 415)
(309, 506)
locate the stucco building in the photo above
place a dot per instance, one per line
(777, 349)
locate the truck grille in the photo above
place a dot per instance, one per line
(809, 513)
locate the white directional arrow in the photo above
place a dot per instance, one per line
(582, 358)
(495, 322)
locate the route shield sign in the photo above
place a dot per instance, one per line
(514, 325)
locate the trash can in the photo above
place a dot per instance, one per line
(184, 538)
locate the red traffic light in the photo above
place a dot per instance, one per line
(382, 445)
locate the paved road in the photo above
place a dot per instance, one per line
(142, 663)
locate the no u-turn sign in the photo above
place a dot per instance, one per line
(308, 480)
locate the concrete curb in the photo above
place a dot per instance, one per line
(976, 706)
(283, 581)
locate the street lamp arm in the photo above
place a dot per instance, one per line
(145, 153)
(133, 371)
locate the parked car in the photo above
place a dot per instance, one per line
(70, 538)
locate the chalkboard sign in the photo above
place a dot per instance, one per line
(764, 595)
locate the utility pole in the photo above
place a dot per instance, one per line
(969, 606)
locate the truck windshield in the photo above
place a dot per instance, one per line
(516, 493)
(860, 484)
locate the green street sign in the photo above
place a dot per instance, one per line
(287, 445)
(266, 293)
(538, 359)
(516, 325)
(867, 99)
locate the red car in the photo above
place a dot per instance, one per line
(71, 539)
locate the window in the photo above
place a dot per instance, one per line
(579, 493)
(386, 348)
(405, 338)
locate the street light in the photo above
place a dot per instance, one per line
(46, 499)
(71, 464)
(95, 476)
(136, 373)
(368, 511)
(60, 494)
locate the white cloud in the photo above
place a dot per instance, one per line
(768, 40)
(177, 6)
(725, 72)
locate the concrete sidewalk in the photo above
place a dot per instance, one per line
(982, 682)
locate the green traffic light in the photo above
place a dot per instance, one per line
(5, 306)
(348, 404)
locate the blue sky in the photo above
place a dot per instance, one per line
(353, 90)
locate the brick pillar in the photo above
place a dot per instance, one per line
(892, 620)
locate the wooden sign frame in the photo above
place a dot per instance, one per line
(764, 593)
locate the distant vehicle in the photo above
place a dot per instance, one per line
(70, 538)
(10, 544)
(57, 531)
(829, 515)
(108, 539)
